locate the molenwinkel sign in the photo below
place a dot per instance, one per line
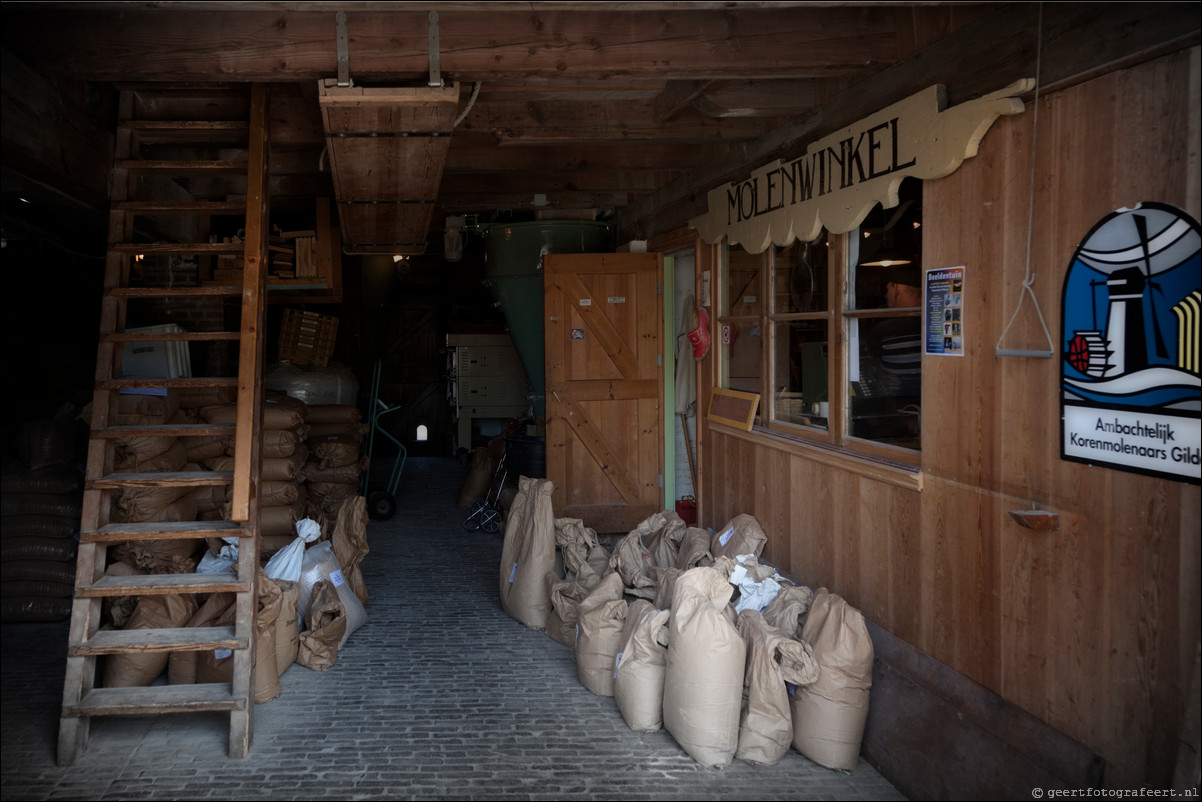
(841, 177)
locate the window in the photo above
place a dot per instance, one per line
(829, 332)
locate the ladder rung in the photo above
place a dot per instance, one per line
(161, 479)
(139, 641)
(208, 131)
(180, 207)
(156, 699)
(182, 166)
(178, 247)
(190, 384)
(154, 530)
(169, 336)
(161, 585)
(174, 292)
(165, 430)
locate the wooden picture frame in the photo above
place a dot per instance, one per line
(733, 408)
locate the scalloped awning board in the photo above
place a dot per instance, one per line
(387, 149)
(839, 178)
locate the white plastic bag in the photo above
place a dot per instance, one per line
(223, 561)
(286, 563)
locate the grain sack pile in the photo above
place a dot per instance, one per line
(690, 631)
(41, 499)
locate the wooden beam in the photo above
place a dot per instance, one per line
(1079, 40)
(543, 41)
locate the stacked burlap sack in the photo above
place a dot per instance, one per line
(153, 504)
(282, 479)
(690, 632)
(334, 471)
(41, 495)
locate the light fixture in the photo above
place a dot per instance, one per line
(423, 433)
(887, 257)
(396, 257)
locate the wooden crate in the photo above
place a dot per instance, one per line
(307, 338)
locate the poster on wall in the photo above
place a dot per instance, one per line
(943, 323)
(1131, 392)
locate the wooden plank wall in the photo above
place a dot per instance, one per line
(1092, 628)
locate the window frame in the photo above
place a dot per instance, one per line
(839, 317)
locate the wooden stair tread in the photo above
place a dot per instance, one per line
(176, 530)
(156, 699)
(161, 479)
(165, 430)
(174, 639)
(161, 585)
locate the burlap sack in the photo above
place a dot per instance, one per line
(277, 443)
(116, 610)
(565, 596)
(147, 454)
(662, 534)
(336, 474)
(275, 415)
(666, 587)
(600, 626)
(743, 535)
(773, 659)
(152, 612)
(703, 686)
(788, 611)
(217, 665)
(37, 548)
(181, 666)
(318, 645)
(280, 521)
(335, 453)
(642, 665)
(479, 479)
(57, 526)
(633, 562)
(333, 413)
(350, 542)
(829, 714)
(528, 553)
(200, 449)
(346, 432)
(138, 409)
(326, 497)
(274, 469)
(287, 626)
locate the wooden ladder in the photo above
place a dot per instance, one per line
(140, 180)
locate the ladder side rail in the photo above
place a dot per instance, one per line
(249, 418)
(80, 675)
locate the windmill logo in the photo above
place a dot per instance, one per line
(1131, 386)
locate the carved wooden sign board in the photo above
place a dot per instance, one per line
(839, 178)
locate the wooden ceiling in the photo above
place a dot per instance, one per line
(564, 108)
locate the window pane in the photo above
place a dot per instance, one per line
(887, 246)
(886, 379)
(742, 347)
(800, 369)
(799, 279)
(742, 290)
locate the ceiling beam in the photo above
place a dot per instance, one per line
(1079, 40)
(586, 42)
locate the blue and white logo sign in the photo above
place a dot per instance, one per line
(1131, 390)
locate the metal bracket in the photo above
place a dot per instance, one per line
(344, 53)
(432, 42)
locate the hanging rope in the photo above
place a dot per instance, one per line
(1029, 278)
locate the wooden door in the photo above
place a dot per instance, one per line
(604, 395)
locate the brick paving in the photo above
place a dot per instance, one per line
(440, 695)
